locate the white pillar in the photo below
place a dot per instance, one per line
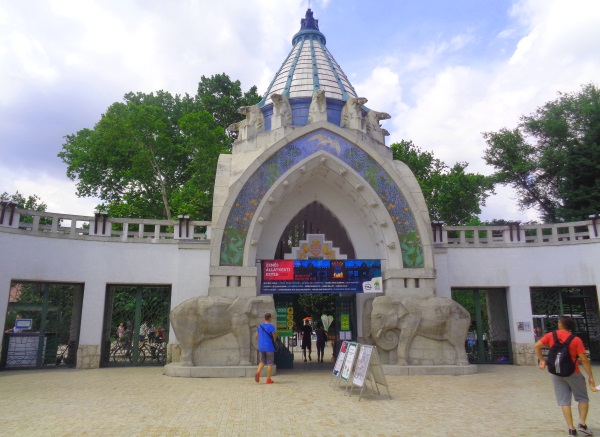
(92, 320)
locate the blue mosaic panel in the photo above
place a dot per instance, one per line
(244, 207)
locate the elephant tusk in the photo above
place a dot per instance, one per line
(379, 333)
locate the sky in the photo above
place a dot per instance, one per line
(446, 71)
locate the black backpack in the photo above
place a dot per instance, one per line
(559, 360)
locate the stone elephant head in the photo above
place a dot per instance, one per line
(385, 320)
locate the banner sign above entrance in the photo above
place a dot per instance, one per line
(321, 276)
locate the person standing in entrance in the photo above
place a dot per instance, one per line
(321, 340)
(307, 340)
(266, 335)
(566, 387)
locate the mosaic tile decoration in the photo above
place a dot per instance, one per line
(250, 196)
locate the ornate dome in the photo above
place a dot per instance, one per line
(309, 67)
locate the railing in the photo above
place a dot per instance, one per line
(516, 233)
(128, 229)
(100, 225)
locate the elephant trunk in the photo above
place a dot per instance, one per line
(387, 340)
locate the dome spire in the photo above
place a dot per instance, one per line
(309, 67)
(309, 22)
(309, 26)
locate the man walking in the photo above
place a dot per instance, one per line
(307, 340)
(266, 336)
(573, 385)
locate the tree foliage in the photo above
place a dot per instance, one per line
(155, 155)
(221, 97)
(552, 158)
(452, 195)
(32, 202)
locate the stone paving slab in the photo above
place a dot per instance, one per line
(501, 400)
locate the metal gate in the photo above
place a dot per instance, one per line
(136, 325)
(581, 303)
(42, 325)
(488, 340)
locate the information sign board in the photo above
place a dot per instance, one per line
(285, 320)
(340, 358)
(349, 361)
(362, 365)
(321, 276)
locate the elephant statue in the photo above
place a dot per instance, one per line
(393, 323)
(216, 321)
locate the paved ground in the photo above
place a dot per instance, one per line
(500, 400)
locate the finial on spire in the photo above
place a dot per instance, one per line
(309, 21)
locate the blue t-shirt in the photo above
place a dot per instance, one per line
(265, 343)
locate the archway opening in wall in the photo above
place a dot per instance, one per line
(336, 313)
(136, 325)
(488, 340)
(329, 240)
(314, 218)
(43, 322)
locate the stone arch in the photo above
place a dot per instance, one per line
(324, 137)
(324, 178)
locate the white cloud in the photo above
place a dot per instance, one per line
(58, 194)
(445, 108)
(69, 60)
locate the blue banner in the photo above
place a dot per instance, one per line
(321, 276)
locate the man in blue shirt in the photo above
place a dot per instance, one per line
(266, 336)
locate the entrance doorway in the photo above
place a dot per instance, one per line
(340, 322)
(136, 325)
(42, 325)
(488, 340)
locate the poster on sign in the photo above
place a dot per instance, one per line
(349, 361)
(340, 358)
(362, 365)
(321, 276)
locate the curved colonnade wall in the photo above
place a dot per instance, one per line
(543, 255)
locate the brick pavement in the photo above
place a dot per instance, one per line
(499, 400)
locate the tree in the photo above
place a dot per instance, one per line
(221, 97)
(32, 202)
(452, 195)
(155, 155)
(552, 158)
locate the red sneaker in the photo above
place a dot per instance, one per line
(257, 377)
(270, 381)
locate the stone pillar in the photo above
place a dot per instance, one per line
(9, 216)
(594, 227)
(183, 230)
(514, 234)
(92, 320)
(101, 225)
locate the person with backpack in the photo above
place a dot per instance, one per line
(566, 350)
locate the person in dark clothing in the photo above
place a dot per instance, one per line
(307, 339)
(321, 340)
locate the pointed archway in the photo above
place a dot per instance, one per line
(314, 218)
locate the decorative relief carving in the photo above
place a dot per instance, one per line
(318, 107)
(352, 116)
(282, 111)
